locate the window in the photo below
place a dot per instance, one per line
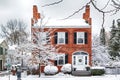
(80, 38)
(61, 38)
(60, 60)
(43, 37)
(1, 51)
(5, 51)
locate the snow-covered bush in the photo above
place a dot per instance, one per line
(50, 70)
(97, 70)
(100, 55)
(66, 68)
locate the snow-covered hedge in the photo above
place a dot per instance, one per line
(97, 70)
(50, 70)
(66, 68)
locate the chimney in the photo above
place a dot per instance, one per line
(36, 15)
(86, 15)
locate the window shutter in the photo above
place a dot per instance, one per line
(55, 62)
(86, 38)
(75, 37)
(47, 38)
(66, 37)
(55, 36)
(66, 58)
(1, 51)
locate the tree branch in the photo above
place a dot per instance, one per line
(106, 5)
(75, 12)
(54, 3)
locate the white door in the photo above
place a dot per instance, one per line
(79, 62)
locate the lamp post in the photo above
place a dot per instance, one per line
(39, 66)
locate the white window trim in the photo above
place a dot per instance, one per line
(44, 36)
(81, 37)
(76, 60)
(63, 55)
(62, 36)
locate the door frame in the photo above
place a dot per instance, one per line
(76, 57)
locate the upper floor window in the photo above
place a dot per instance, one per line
(43, 37)
(40, 37)
(80, 38)
(61, 38)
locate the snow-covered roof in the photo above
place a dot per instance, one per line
(67, 23)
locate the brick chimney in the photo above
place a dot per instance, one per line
(36, 15)
(86, 15)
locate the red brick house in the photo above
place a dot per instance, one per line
(74, 38)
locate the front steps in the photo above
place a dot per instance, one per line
(81, 73)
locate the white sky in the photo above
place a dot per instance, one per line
(22, 9)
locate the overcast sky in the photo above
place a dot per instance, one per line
(22, 9)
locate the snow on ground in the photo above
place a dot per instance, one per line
(62, 76)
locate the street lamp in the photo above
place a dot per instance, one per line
(39, 65)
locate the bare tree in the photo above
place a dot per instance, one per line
(43, 51)
(14, 31)
(103, 11)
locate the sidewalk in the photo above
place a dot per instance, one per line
(3, 73)
(63, 77)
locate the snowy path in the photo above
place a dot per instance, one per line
(107, 77)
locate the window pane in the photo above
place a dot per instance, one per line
(80, 40)
(61, 60)
(61, 37)
(80, 37)
(43, 36)
(61, 40)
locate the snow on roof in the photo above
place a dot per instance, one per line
(69, 23)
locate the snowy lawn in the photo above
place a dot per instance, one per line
(62, 76)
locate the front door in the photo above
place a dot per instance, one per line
(80, 61)
(0, 65)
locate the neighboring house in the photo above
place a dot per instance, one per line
(74, 38)
(3, 53)
(12, 55)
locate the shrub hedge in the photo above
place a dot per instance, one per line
(97, 71)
